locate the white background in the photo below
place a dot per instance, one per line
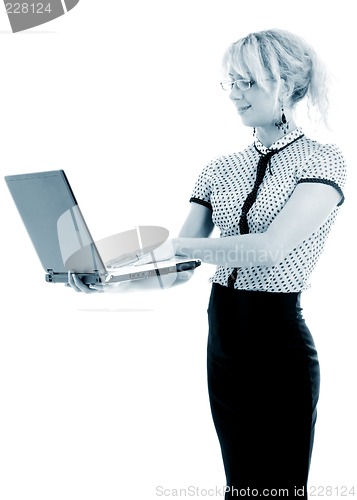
(104, 396)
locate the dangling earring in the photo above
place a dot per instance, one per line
(254, 132)
(283, 123)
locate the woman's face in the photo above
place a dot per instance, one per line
(255, 106)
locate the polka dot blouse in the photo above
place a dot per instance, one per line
(225, 182)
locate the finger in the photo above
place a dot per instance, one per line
(184, 275)
(78, 286)
(97, 288)
(118, 262)
(125, 262)
(82, 287)
(142, 262)
(71, 283)
(145, 259)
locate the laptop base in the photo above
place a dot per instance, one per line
(87, 279)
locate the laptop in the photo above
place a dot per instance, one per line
(63, 243)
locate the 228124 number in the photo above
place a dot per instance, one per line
(25, 8)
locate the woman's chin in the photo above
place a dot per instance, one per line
(247, 122)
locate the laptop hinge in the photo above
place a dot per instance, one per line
(49, 276)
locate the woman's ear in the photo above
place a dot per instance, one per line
(286, 89)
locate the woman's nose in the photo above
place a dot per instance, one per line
(235, 93)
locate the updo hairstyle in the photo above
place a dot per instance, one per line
(280, 54)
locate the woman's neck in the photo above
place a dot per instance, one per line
(269, 135)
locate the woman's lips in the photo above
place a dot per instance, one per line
(242, 109)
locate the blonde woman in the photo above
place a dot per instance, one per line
(274, 204)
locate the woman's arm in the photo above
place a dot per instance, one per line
(305, 211)
(197, 225)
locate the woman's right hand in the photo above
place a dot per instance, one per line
(78, 286)
(142, 285)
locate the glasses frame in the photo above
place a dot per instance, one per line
(250, 82)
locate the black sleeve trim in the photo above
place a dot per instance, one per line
(326, 181)
(201, 202)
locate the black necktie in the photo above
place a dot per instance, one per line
(263, 162)
(252, 196)
(247, 205)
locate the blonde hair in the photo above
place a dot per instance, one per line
(280, 54)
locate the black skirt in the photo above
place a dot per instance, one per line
(263, 381)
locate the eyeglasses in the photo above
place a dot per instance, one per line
(241, 84)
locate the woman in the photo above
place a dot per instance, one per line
(274, 203)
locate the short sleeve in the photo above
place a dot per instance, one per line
(326, 165)
(201, 193)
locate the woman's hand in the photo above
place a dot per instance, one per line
(166, 251)
(124, 260)
(78, 286)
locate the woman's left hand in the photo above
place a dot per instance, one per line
(166, 251)
(78, 286)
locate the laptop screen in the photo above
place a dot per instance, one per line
(54, 222)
